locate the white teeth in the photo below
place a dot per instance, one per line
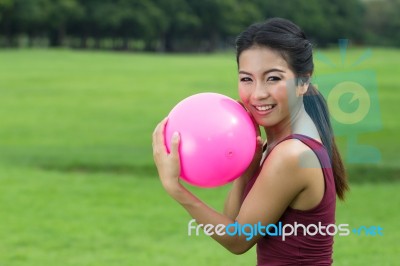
(264, 107)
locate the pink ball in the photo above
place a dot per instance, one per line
(218, 138)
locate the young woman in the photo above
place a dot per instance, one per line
(295, 178)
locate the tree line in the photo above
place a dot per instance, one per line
(188, 25)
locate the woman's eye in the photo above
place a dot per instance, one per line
(273, 78)
(245, 79)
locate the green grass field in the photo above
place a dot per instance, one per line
(77, 181)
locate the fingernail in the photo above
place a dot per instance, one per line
(175, 135)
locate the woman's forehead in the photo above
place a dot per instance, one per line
(260, 58)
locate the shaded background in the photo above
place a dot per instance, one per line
(187, 25)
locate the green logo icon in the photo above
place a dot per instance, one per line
(358, 92)
(352, 98)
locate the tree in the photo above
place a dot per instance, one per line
(176, 22)
(382, 22)
(61, 13)
(220, 19)
(6, 7)
(324, 21)
(192, 25)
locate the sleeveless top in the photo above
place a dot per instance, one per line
(309, 249)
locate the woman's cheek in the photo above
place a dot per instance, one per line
(280, 94)
(243, 96)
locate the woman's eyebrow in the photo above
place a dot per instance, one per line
(244, 72)
(273, 70)
(264, 73)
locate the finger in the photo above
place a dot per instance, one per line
(155, 136)
(259, 141)
(259, 144)
(175, 144)
(154, 139)
(258, 131)
(156, 129)
(158, 126)
(256, 126)
(259, 150)
(160, 135)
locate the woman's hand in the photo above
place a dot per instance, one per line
(168, 164)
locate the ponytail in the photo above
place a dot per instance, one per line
(317, 109)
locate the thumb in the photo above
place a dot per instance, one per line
(259, 142)
(259, 145)
(175, 144)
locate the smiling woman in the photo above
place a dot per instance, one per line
(296, 177)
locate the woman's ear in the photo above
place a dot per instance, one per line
(302, 84)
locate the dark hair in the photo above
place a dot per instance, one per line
(290, 41)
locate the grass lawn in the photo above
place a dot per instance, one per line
(55, 218)
(77, 181)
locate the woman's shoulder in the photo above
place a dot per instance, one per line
(292, 148)
(291, 156)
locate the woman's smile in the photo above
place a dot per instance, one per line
(264, 109)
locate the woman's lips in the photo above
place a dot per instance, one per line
(264, 109)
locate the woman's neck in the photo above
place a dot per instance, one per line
(299, 123)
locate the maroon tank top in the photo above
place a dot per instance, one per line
(300, 249)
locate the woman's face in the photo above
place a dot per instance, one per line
(267, 86)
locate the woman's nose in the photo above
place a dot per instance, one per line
(260, 91)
